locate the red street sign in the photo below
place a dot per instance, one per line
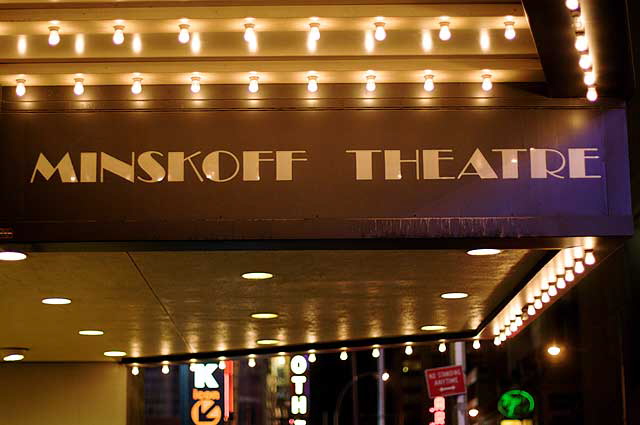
(445, 381)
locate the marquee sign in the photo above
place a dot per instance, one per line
(210, 393)
(321, 174)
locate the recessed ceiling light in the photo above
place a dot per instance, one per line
(257, 276)
(12, 256)
(13, 358)
(433, 328)
(56, 301)
(267, 341)
(264, 315)
(554, 350)
(115, 353)
(484, 251)
(89, 332)
(454, 295)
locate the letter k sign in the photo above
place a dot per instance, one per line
(203, 375)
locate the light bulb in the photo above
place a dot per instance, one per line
(513, 327)
(252, 362)
(509, 28)
(445, 30)
(429, 84)
(250, 33)
(585, 61)
(344, 355)
(222, 365)
(476, 344)
(135, 371)
(578, 23)
(589, 78)
(118, 34)
(582, 44)
(508, 332)
(253, 84)
(54, 35)
(537, 304)
(568, 275)
(519, 321)
(553, 291)
(312, 358)
(312, 85)
(487, 84)
(560, 283)
(497, 341)
(572, 4)
(380, 33)
(503, 336)
(579, 267)
(589, 258)
(531, 310)
(371, 83)
(195, 84)
(375, 353)
(184, 35)
(21, 88)
(78, 87)
(442, 347)
(385, 376)
(592, 94)
(136, 87)
(545, 297)
(165, 369)
(314, 31)
(408, 350)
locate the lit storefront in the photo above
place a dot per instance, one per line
(314, 213)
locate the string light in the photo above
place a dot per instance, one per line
(442, 347)
(314, 31)
(476, 344)
(487, 84)
(371, 81)
(531, 310)
(54, 35)
(553, 291)
(184, 35)
(195, 84)
(408, 350)
(445, 30)
(589, 258)
(343, 354)
(572, 4)
(118, 34)
(251, 362)
(586, 62)
(561, 283)
(537, 303)
(589, 77)
(136, 87)
(135, 371)
(509, 28)
(312, 85)
(578, 267)
(253, 82)
(429, 84)
(78, 86)
(375, 353)
(21, 88)
(165, 369)
(592, 94)
(582, 44)
(379, 33)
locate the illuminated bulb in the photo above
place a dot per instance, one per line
(253, 83)
(553, 350)
(314, 31)
(579, 267)
(513, 327)
(474, 412)
(344, 355)
(568, 275)
(545, 297)
(445, 30)
(222, 365)
(165, 369)
(54, 35)
(519, 321)
(589, 78)
(118, 34)
(252, 362)
(371, 83)
(476, 344)
(136, 87)
(408, 350)
(385, 376)
(195, 84)
(487, 84)
(429, 84)
(497, 341)
(561, 284)
(537, 304)
(250, 33)
(531, 310)
(509, 28)
(312, 85)
(553, 291)
(585, 61)
(135, 371)
(375, 353)
(13, 358)
(589, 258)
(312, 358)
(442, 347)
(503, 336)
(572, 4)
(379, 33)
(78, 87)
(184, 35)
(578, 23)
(582, 44)
(21, 88)
(592, 94)
(508, 332)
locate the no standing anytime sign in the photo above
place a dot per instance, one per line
(445, 381)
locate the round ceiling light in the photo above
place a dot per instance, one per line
(267, 341)
(56, 301)
(257, 276)
(264, 315)
(91, 332)
(431, 328)
(115, 353)
(454, 295)
(554, 350)
(12, 256)
(484, 251)
(13, 357)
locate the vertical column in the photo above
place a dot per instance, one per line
(459, 355)
(381, 410)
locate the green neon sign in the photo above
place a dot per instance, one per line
(516, 404)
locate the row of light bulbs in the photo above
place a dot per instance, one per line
(548, 289)
(582, 46)
(251, 37)
(254, 86)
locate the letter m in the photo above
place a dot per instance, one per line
(64, 168)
